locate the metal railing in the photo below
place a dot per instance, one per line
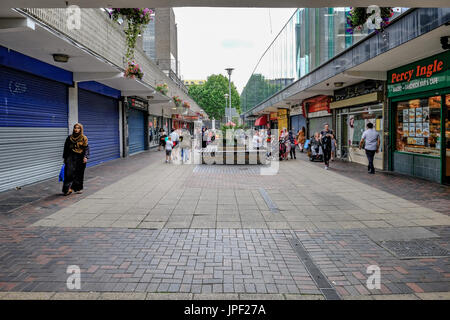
(168, 66)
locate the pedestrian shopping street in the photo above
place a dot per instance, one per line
(144, 229)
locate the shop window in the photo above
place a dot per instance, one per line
(357, 124)
(418, 124)
(447, 137)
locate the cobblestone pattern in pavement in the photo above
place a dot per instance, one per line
(326, 209)
(343, 256)
(190, 261)
(203, 296)
(419, 191)
(168, 196)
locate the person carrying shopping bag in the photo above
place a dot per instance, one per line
(75, 155)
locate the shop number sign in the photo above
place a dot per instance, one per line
(428, 74)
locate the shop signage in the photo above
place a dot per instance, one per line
(360, 89)
(136, 103)
(427, 74)
(367, 115)
(273, 116)
(282, 114)
(181, 117)
(296, 110)
(320, 103)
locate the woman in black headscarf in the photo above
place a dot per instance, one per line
(76, 153)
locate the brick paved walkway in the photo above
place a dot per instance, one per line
(192, 232)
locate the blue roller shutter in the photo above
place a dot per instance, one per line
(136, 131)
(33, 127)
(295, 123)
(99, 116)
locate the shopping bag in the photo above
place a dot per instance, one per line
(306, 145)
(61, 173)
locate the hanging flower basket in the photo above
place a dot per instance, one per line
(136, 19)
(358, 17)
(186, 105)
(133, 71)
(162, 88)
(177, 101)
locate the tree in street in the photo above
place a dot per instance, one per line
(210, 96)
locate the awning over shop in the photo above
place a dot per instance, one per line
(261, 121)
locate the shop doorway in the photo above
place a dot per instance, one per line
(344, 135)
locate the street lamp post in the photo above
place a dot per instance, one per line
(226, 105)
(229, 71)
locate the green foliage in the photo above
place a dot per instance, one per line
(136, 19)
(210, 96)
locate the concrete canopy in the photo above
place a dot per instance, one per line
(220, 3)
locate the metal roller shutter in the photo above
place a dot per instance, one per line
(99, 116)
(294, 124)
(136, 131)
(316, 124)
(33, 128)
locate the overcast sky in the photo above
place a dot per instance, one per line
(212, 39)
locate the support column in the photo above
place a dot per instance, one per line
(73, 106)
(121, 128)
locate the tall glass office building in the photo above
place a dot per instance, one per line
(148, 40)
(311, 37)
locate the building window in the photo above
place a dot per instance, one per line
(418, 124)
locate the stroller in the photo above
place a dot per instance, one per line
(315, 150)
(283, 149)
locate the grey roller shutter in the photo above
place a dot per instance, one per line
(33, 128)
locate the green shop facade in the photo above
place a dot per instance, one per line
(419, 106)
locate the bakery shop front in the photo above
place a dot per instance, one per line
(419, 100)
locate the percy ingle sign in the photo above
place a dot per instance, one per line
(427, 74)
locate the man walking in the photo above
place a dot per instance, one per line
(326, 135)
(371, 139)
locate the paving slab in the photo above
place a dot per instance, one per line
(142, 226)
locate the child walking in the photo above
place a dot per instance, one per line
(169, 147)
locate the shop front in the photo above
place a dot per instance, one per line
(154, 124)
(273, 120)
(419, 97)
(137, 120)
(354, 107)
(318, 114)
(261, 122)
(33, 119)
(98, 111)
(297, 120)
(183, 122)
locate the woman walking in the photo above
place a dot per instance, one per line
(301, 138)
(76, 153)
(162, 139)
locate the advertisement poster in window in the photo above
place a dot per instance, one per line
(419, 115)
(416, 141)
(425, 130)
(412, 129)
(405, 129)
(405, 115)
(418, 129)
(412, 115)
